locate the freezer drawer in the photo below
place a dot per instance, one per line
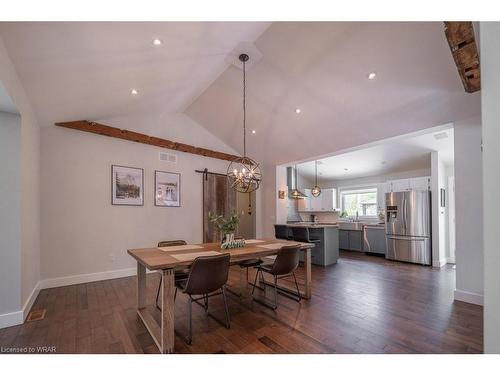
(409, 249)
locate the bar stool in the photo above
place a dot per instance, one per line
(281, 231)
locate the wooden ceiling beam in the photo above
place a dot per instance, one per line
(110, 131)
(462, 42)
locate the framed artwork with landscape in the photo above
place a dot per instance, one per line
(167, 189)
(127, 186)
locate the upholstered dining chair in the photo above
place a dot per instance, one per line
(285, 264)
(181, 274)
(207, 278)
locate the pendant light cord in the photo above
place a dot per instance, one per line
(316, 172)
(244, 111)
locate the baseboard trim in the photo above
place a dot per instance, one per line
(11, 319)
(87, 278)
(17, 317)
(439, 263)
(474, 298)
(31, 300)
(450, 260)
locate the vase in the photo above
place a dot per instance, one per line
(228, 238)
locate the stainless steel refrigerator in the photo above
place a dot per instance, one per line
(408, 226)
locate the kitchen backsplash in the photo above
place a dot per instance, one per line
(322, 217)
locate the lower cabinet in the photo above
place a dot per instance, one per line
(351, 240)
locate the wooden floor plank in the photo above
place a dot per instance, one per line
(363, 304)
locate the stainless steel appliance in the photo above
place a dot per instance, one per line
(408, 226)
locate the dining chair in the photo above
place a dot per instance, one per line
(207, 278)
(180, 274)
(287, 261)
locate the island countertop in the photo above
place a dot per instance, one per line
(312, 225)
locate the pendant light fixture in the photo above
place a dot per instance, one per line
(244, 173)
(316, 190)
(295, 193)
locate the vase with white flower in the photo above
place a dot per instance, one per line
(227, 227)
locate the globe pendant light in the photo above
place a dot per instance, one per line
(243, 173)
(316, 190)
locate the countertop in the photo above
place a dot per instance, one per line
(313, 225)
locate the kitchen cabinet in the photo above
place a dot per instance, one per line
(416, 183)
(326, 202)
(374, 239)
(351, 240)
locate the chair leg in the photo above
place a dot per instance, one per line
(275, 292)
(175, 294)
(297, 286)
(189, 338)
(228, 322)
(158, 295)
(255, 281)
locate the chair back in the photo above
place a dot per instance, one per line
(171, 243)
(286, 261)
(208, 273)
(281, 231)
(300, 234)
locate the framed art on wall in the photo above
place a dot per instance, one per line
(167, 189)
(127, 186)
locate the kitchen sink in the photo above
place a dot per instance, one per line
(350, 225)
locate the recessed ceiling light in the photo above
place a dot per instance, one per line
(157, 42)
(134, 92)
(298, 110)
(383, 162)
(372, 75)
(253, 131)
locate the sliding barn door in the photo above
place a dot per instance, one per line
(219, 198)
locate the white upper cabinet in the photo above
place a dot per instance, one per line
(416, 183)
(327, 201)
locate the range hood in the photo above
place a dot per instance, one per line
(291, 180)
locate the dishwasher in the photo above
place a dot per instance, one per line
(374, 239)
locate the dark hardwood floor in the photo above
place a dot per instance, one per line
(363, 304)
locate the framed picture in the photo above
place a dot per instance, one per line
(281, 194)
(167, 189)
(127, 186)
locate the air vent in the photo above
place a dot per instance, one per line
(439, 136)
(169, 158)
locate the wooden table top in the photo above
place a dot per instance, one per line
(154, 258)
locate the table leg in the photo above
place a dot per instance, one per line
(141, 286)
(167, 311)
(308, 274)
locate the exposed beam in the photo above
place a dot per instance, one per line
(110, 131)
(463, 47)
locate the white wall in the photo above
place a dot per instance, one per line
(30, 184)
(490, 98)
(10, 213)
(82, 233)
(439, 234)
(468, 211)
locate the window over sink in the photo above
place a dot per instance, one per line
(361, 201)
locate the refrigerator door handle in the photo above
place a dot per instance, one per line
(405, 238)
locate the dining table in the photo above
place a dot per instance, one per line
(166, 260)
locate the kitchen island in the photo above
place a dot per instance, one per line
(326, 251)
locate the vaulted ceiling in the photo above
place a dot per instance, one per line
(322, 69)
(86, 70)
(77, 71)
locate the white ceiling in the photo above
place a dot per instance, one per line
(85, 70)
(395, 155)
(6, 103)
(322, 68)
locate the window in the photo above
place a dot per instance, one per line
(362, 201)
